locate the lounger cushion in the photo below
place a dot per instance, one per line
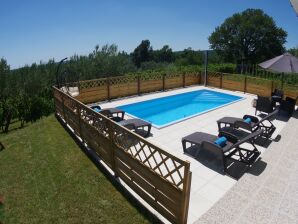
(221, 141)
(96, 110)
(248, 120)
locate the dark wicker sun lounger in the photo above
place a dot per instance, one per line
(233, 150)
(137, 125)
(113, 113)
(265, 123)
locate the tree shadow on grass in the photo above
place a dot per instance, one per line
(1, 212)
(115, 181)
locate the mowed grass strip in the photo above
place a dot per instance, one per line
(46, 178)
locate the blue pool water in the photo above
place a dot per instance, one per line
(167, 110)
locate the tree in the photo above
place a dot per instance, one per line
(142, 53)
(294, 51)
(4, 71)
(251, 36)
(189, 57)
(165, 54)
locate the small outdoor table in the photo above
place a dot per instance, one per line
(197, 138)
(135, 124)
(227, 121)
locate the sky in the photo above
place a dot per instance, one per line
(34, 31)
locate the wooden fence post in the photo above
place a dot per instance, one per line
(183, 80)
(108, 89)
(220, 84)
(186, 194)
(112, 146)
(63, 107)
(163, 82)
(139, 85)
(282, 80)
(80, 124)
(245, 84)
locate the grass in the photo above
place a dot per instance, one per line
(46, 178)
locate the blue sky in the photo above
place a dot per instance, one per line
(39, 30)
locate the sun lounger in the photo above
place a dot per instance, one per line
(137, 125)
(113, 113)
(255, 123)
(233, 150)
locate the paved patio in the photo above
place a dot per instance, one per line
(208, 186)
(271, 196)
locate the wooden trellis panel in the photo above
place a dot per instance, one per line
(151, 83)
(93, 91)
(233, 82)
(257, 86)
(123, 86)
(192, 79)
(160, 178)
(173, 81)
(214, 79)
(291, 91)
(89, 84)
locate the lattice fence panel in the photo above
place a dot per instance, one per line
(123, 80)
(214, 79)
(92, 83)
(99, 122)
(192, 79)
(151, 76)
(173, 75)
(169, 167)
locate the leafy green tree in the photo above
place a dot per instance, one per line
(8, 113)
(251, 35)
(165, 54)
(189, 57)
(4, 71)
(294, 51)
(142, 53)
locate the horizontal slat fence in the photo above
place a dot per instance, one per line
(157, 176)
(108, 88)
(249, 84)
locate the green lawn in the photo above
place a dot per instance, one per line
(46, 178)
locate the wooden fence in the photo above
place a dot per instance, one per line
(249, 84)
(160, 178)
(108, 88)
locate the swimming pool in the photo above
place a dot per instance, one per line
(168, 110)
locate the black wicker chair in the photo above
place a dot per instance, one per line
(264, 104)
(288, 105)
(277, 95)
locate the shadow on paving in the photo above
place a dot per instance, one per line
(115, 181)
(235, 169)
(295, 114)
